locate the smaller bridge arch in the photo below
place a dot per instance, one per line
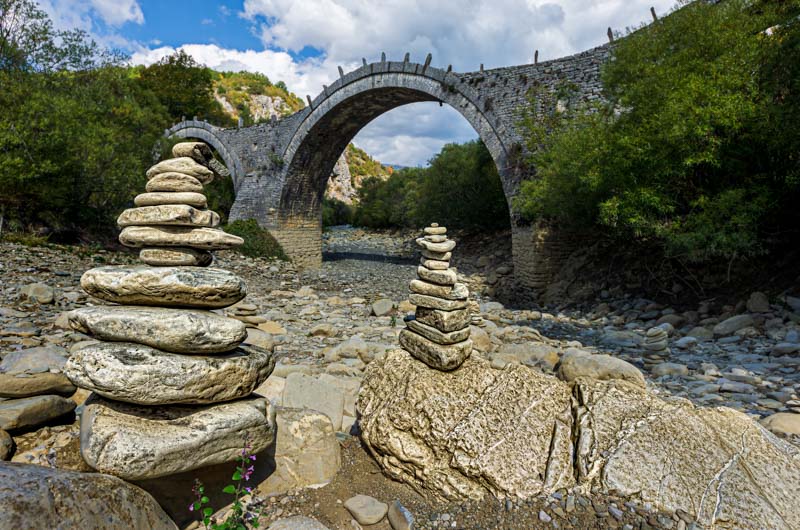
(213, 136)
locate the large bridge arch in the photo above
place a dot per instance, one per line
(341, 111)
(213, 136)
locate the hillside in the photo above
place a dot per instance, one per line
(351, 169)
(253, 97)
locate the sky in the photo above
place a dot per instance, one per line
(301, 42)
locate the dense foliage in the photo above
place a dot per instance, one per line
(336, 212)
(362, 165)
(237, 88)
(697, 145)
(460, 188)
(258, 242)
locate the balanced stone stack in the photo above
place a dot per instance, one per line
(655, 345)
(171, 379)
(439, 333)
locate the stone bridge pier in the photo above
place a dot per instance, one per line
(280, 168)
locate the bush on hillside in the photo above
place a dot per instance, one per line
(258, 242)
(336, 212)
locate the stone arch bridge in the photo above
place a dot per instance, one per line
(280, 168)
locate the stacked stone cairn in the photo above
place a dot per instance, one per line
(171, 379)
(655, 345)
(439, 333)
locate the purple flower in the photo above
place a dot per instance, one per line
(191, 507)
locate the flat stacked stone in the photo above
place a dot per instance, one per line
(171, 380)
(439, 333)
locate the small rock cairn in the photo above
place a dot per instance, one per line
(439, 333)
(171, 379)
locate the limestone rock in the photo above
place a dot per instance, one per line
(165, 286)
(399, 517)
(159, 198)
(783, 422)
(168, 214)
(714, 463)
(173, 182)
(420, 424)
(135, 442)
(167, 257)
(434, 230)
(297, 522)
(306, 452)
(578, 363)
(445, 321)
(29, 412)
(6, 445)
(305, 391)
(200, 152)
(184, 165)
(438, 256)
(758, 303)
(172, 330)
(434, 264)
(433, 334)
(33, 372)
(163, 236)
(431, 302)
(445, 277)
(382, 307)
(134, 373)
(365, 509)
(41, 293)
(430, 246)
(458, 291)
(438, 356)
(33, 496)
(733, 324)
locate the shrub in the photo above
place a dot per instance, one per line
(258, 242)
(336, 212)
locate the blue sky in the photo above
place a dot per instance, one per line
(303, 41)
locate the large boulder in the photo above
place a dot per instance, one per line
(578, 363)
(136, 442)
(714, 463)
(38, 497)
(462, 434)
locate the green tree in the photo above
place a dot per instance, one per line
(692, 146)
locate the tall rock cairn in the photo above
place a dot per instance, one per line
(439, 333)
(171, 380)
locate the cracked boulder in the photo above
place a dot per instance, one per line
(470, 432)
(714, 463)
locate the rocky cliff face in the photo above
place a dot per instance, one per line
(340, 185)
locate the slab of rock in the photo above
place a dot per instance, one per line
(306, 452)
(445, 321)
(365, 509)
(422, 427)
(6, 445)
(200, 152)
(399, 517)
(382, 307)
(173, 330)
(430, 246)
(33, 496)
(159, 198)
(134, 373)
(184, 165)
(445, 277)
(41, 293)
(433, 334)
(178, 257)
(165, 236)
(438, 256)
(17, 414)
(783, 422)
(136, 443)
(297, 522)
(33, 372)
(432, 302)
(458, 291)
(172, 182)
(168, 214)
(438, 356)
(733, 324)
(578, 363)
(165, 286)
(714, 463)
(434, 264)
(663, 369)
(305, 391)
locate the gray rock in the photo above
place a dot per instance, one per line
(198, 200)
(184, 165)
(399, 517)
(669, 369)
(758, 303)
(17, 414)
(439, 356)
(33, 372)
(136, 443)
(445, 321)
(200, 152)
(431, 302)
(434, 335)
(168, 214)
(169, 257)
(304, 391)
(297, 522)
(259, 338)
(6, 445)
(165, 286)
(172, 330)
(365, 509)
(783, 422)
(458, 291)
(139, 374)
(172, 182)
(434, 264)
(40, 293)
(733, 324)
(441, 248)
(685, 343)
(307, 453)
(445, 277)
(578, 363)
(34, 496)
(382, 307)
(178, 236)
(785, 348)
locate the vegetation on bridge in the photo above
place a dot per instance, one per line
(697, 146)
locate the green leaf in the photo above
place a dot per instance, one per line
(237, 476)
(208, 511)
(230, 488)
(204, 500)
